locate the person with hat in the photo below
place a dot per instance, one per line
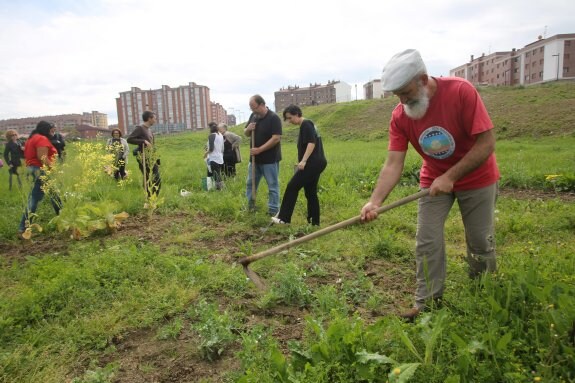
(446, 122)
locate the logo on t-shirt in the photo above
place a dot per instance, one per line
(437, 142)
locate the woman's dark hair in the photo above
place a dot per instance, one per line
(43, 128)
(213, 127)
(294, 110)
(116, 130)
(147, 115)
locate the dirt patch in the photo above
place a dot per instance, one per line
(144, 358)
(532, 194)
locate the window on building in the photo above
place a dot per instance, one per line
(540, 74)
(541, 62)
(566, 56)
(533, 76)
(567, 43)
(515, 70)
(542, 49)
(565, 69)
(527, 54)
(534, 51)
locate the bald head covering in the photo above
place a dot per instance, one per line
(401, 69)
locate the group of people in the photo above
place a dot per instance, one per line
(222, 153)
(444, 119)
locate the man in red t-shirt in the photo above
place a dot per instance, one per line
(446, 122)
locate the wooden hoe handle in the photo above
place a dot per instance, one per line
(247, 260)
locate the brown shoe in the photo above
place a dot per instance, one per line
(409, 316)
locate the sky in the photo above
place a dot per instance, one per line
(74, 56)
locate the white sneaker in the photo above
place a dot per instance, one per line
(278, 221)
(185, 193)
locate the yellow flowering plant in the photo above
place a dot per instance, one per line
(79, 183)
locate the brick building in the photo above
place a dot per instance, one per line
(315, 94)
(186, 107)
(543, 60)
(64, 122)
(219, 115)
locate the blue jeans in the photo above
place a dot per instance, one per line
(271, 173)
(36, 195)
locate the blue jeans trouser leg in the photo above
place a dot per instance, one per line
(271, 174)
(36, 195)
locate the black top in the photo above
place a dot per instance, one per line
(58, 142)
(308, 133)
(266, 127)
(13, 154)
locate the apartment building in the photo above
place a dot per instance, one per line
(186, 107)
(543, 60)
(315, 94)
(64, 122)
(372, 90)
(219, 114)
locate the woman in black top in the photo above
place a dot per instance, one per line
(311, 164)
(13, 154)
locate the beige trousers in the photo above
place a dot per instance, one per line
(477, 211)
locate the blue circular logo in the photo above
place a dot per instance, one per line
(437, 142)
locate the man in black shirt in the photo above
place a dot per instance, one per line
(265, 150)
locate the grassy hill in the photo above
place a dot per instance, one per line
(534, 111)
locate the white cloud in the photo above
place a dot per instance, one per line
(62, 56)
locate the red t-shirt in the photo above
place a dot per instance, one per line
(446, 133)
(30, 153)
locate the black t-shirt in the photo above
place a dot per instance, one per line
(266, 127)
(308, 133)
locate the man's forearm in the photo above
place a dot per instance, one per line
(273, 141)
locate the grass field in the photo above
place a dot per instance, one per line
(163, 299)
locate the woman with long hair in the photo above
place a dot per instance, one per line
(119, 148)
(39, 154)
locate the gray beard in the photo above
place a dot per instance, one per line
(416, 110)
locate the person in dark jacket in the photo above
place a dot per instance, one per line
(58, 142)
(13, 154)
(231, 150)
(144, 138)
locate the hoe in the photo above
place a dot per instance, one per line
(260, 283)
